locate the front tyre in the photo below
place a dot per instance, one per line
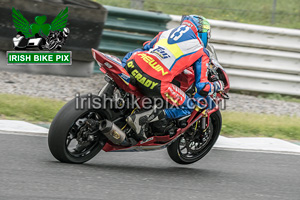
(183, 151)
(68, 129)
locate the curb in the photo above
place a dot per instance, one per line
(21, 127)
(259, 144)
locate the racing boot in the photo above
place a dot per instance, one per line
(138, 121)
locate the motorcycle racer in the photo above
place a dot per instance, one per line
(152, 69)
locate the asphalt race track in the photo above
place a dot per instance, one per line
(28, 171)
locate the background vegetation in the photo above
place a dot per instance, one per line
(285, 14)
(33, 109)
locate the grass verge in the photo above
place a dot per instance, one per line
(235, 124)
(32, 109)
(284, 14)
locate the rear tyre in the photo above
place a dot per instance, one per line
(63, 128)
(175, 150)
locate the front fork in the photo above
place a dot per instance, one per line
(196, 115)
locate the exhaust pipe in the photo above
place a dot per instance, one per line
(113, 133)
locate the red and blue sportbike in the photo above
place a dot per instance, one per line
(78, 134)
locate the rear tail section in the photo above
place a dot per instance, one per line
(112, 66)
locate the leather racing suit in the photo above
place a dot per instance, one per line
(153, 68)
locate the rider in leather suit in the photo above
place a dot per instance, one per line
(153, 68)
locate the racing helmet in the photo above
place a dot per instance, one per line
(199, 25)
(66, 32)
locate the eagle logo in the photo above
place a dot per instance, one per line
(40, 34)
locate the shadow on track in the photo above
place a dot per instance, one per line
(135, 169)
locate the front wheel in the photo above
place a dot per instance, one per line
(187, 150)
(73, 135)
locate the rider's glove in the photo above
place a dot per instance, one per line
(218, 86)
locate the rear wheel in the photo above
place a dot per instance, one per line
(187, 149)
(74, 136)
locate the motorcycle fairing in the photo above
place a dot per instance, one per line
(112, 66)
(158, 142)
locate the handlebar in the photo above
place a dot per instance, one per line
(224, 95)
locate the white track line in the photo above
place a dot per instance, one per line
(23, 133)
(257, 151)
